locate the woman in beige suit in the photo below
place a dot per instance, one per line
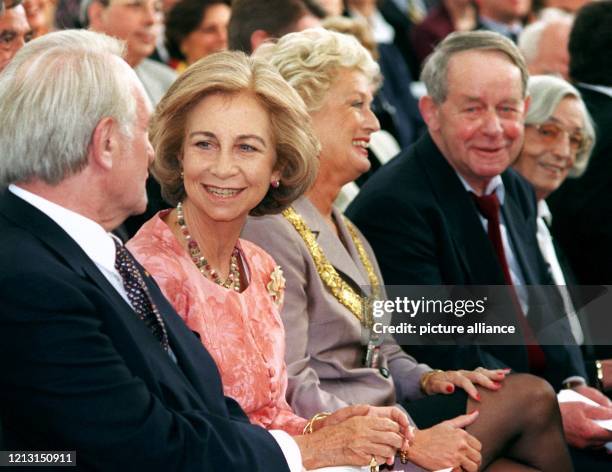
(330, 268)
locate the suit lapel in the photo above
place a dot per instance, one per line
(60, 243)
(341, 257)
(472, 245)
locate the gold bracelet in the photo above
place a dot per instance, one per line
(426, 376)
(319, 416)
(600, 376)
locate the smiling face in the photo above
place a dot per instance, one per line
(343, 125)
(547, 156)
(137, 22)
(479, 127)
(228, 157)
(210, 35)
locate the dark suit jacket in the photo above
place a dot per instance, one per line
(425, 230)
(581, 211)
(81, 372)
(582, 207)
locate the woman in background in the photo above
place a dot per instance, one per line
(559, 138)
(195, 29)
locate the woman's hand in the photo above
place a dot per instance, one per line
(447, 445)
(391, 412)
(446, 381)
(352, 441)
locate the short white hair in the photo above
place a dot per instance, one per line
(53, 94)
(529, 39)
(546, 92)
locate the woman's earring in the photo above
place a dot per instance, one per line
(182, 175)
(275, 183)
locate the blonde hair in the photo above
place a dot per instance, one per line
(356, 27)
(233, 72)
(310, 61)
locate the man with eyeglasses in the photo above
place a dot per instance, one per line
(14, 30)
(138, 23)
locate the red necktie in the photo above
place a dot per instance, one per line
(489, 208)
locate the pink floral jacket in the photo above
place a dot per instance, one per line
(242, 331)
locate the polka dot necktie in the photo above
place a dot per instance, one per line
(138, 294)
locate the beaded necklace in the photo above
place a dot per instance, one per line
(233, 279)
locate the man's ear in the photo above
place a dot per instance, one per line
(104, 142)
(429, 112)
(258, 37)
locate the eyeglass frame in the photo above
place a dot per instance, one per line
(561, 129)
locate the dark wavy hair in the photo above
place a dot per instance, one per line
(184, 18)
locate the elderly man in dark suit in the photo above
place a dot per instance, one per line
(93, 358)
(449, 212)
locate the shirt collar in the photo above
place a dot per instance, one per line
(544, 212)
(502, 28)
(598, 88)
(89, 235)
(495, 185)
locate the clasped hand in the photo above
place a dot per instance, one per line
(352, 435)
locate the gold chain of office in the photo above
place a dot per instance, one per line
(358, 305)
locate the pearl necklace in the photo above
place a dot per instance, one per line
(233, 279)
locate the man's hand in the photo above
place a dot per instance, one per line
(580, 430)
(594, 394)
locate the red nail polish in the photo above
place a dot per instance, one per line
(450, 389)
(497, 384)
(478, 396)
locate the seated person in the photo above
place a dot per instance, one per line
(326, 260)
(93, 357)
(559, 138)
(195, 29)
(233, 138)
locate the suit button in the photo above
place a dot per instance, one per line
(384, 372)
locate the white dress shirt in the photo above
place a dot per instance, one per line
(547, 247)
(100, 248)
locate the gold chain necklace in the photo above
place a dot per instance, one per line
(358, 305)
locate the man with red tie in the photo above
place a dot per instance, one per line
(449, 211)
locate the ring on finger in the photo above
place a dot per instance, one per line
(373, 465)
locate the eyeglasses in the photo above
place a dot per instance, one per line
(550, 133)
